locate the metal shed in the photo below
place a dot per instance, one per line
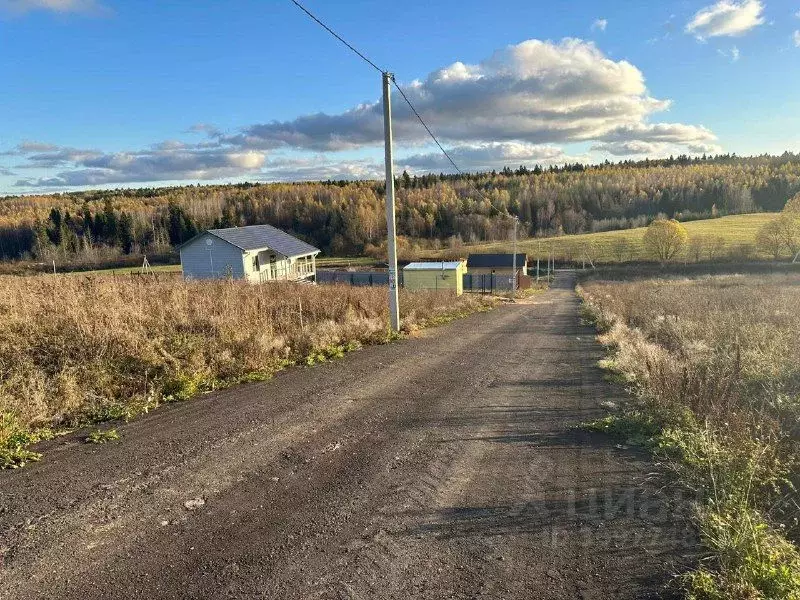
(498, 264)
(435, 276)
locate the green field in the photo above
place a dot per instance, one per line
(731, 233)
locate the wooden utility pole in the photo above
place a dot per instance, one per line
(391, 239)
(514, 260)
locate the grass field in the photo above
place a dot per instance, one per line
(326, 262)
(127, 270)
(76, 350)
(715, 364)
(734, 234)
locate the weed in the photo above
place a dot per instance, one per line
(77, 351)
(102, 436)
(715, 367)
(632, 428)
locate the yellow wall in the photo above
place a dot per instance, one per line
(453, 279)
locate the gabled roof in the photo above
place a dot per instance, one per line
(496, 261)
(255, 237)
(432, 266)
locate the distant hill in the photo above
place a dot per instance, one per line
(733, 236)
(433, 211)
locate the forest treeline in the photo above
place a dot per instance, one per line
(433, 211)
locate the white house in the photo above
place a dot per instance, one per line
(257, 253)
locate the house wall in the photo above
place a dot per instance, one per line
(217, 261)
(283, 266)
(450, 279)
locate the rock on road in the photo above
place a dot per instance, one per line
(445, 466)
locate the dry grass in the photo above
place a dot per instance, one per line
(77, 349)
(716, 364)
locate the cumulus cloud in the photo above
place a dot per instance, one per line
(536, 92)
(632, 148)
(487, 156)
(89, 167)
(57, 6)
(599, 25)
(661, 149)
(796, 38)
(515, 107)
(320, 168)
(726, 18)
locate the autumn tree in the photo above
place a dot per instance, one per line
(793, 205)
(665, 238)
(770, 238)
(697, 246)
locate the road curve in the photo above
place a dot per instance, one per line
(445, 466)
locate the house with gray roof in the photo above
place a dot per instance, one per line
(257, 253)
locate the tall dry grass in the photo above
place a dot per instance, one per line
(716, 364)
(74, 348)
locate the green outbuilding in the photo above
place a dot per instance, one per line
(435, 276)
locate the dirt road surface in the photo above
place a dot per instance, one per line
(445, 466)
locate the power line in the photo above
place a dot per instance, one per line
(402, 93)
(425, 125)
(337, 36)
(430, 133)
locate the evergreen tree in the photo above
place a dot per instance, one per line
(125, 232)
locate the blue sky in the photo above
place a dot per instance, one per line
(112, 93)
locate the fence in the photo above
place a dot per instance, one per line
(357, 278)
(483, 283)
(487, 283)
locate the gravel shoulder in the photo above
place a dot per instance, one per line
(444, 466)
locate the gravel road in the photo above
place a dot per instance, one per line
(444, 466)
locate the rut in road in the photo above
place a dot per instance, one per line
(446, 466)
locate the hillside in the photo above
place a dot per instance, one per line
(711, 238)
(433, 211)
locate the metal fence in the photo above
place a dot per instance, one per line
(486, 283)
(483, 283)
(357, 278)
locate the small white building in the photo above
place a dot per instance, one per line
(257, 253)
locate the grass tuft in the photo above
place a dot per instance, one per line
(100, 436)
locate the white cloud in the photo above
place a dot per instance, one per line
(796, 38)
(653, 149)
(166, 162)
(487, 156)
(726, 18)
(599, 25)
(320, 168)
(632, 148)
(734, 53)
(518, 106)
(58, 6)
(536, 92)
